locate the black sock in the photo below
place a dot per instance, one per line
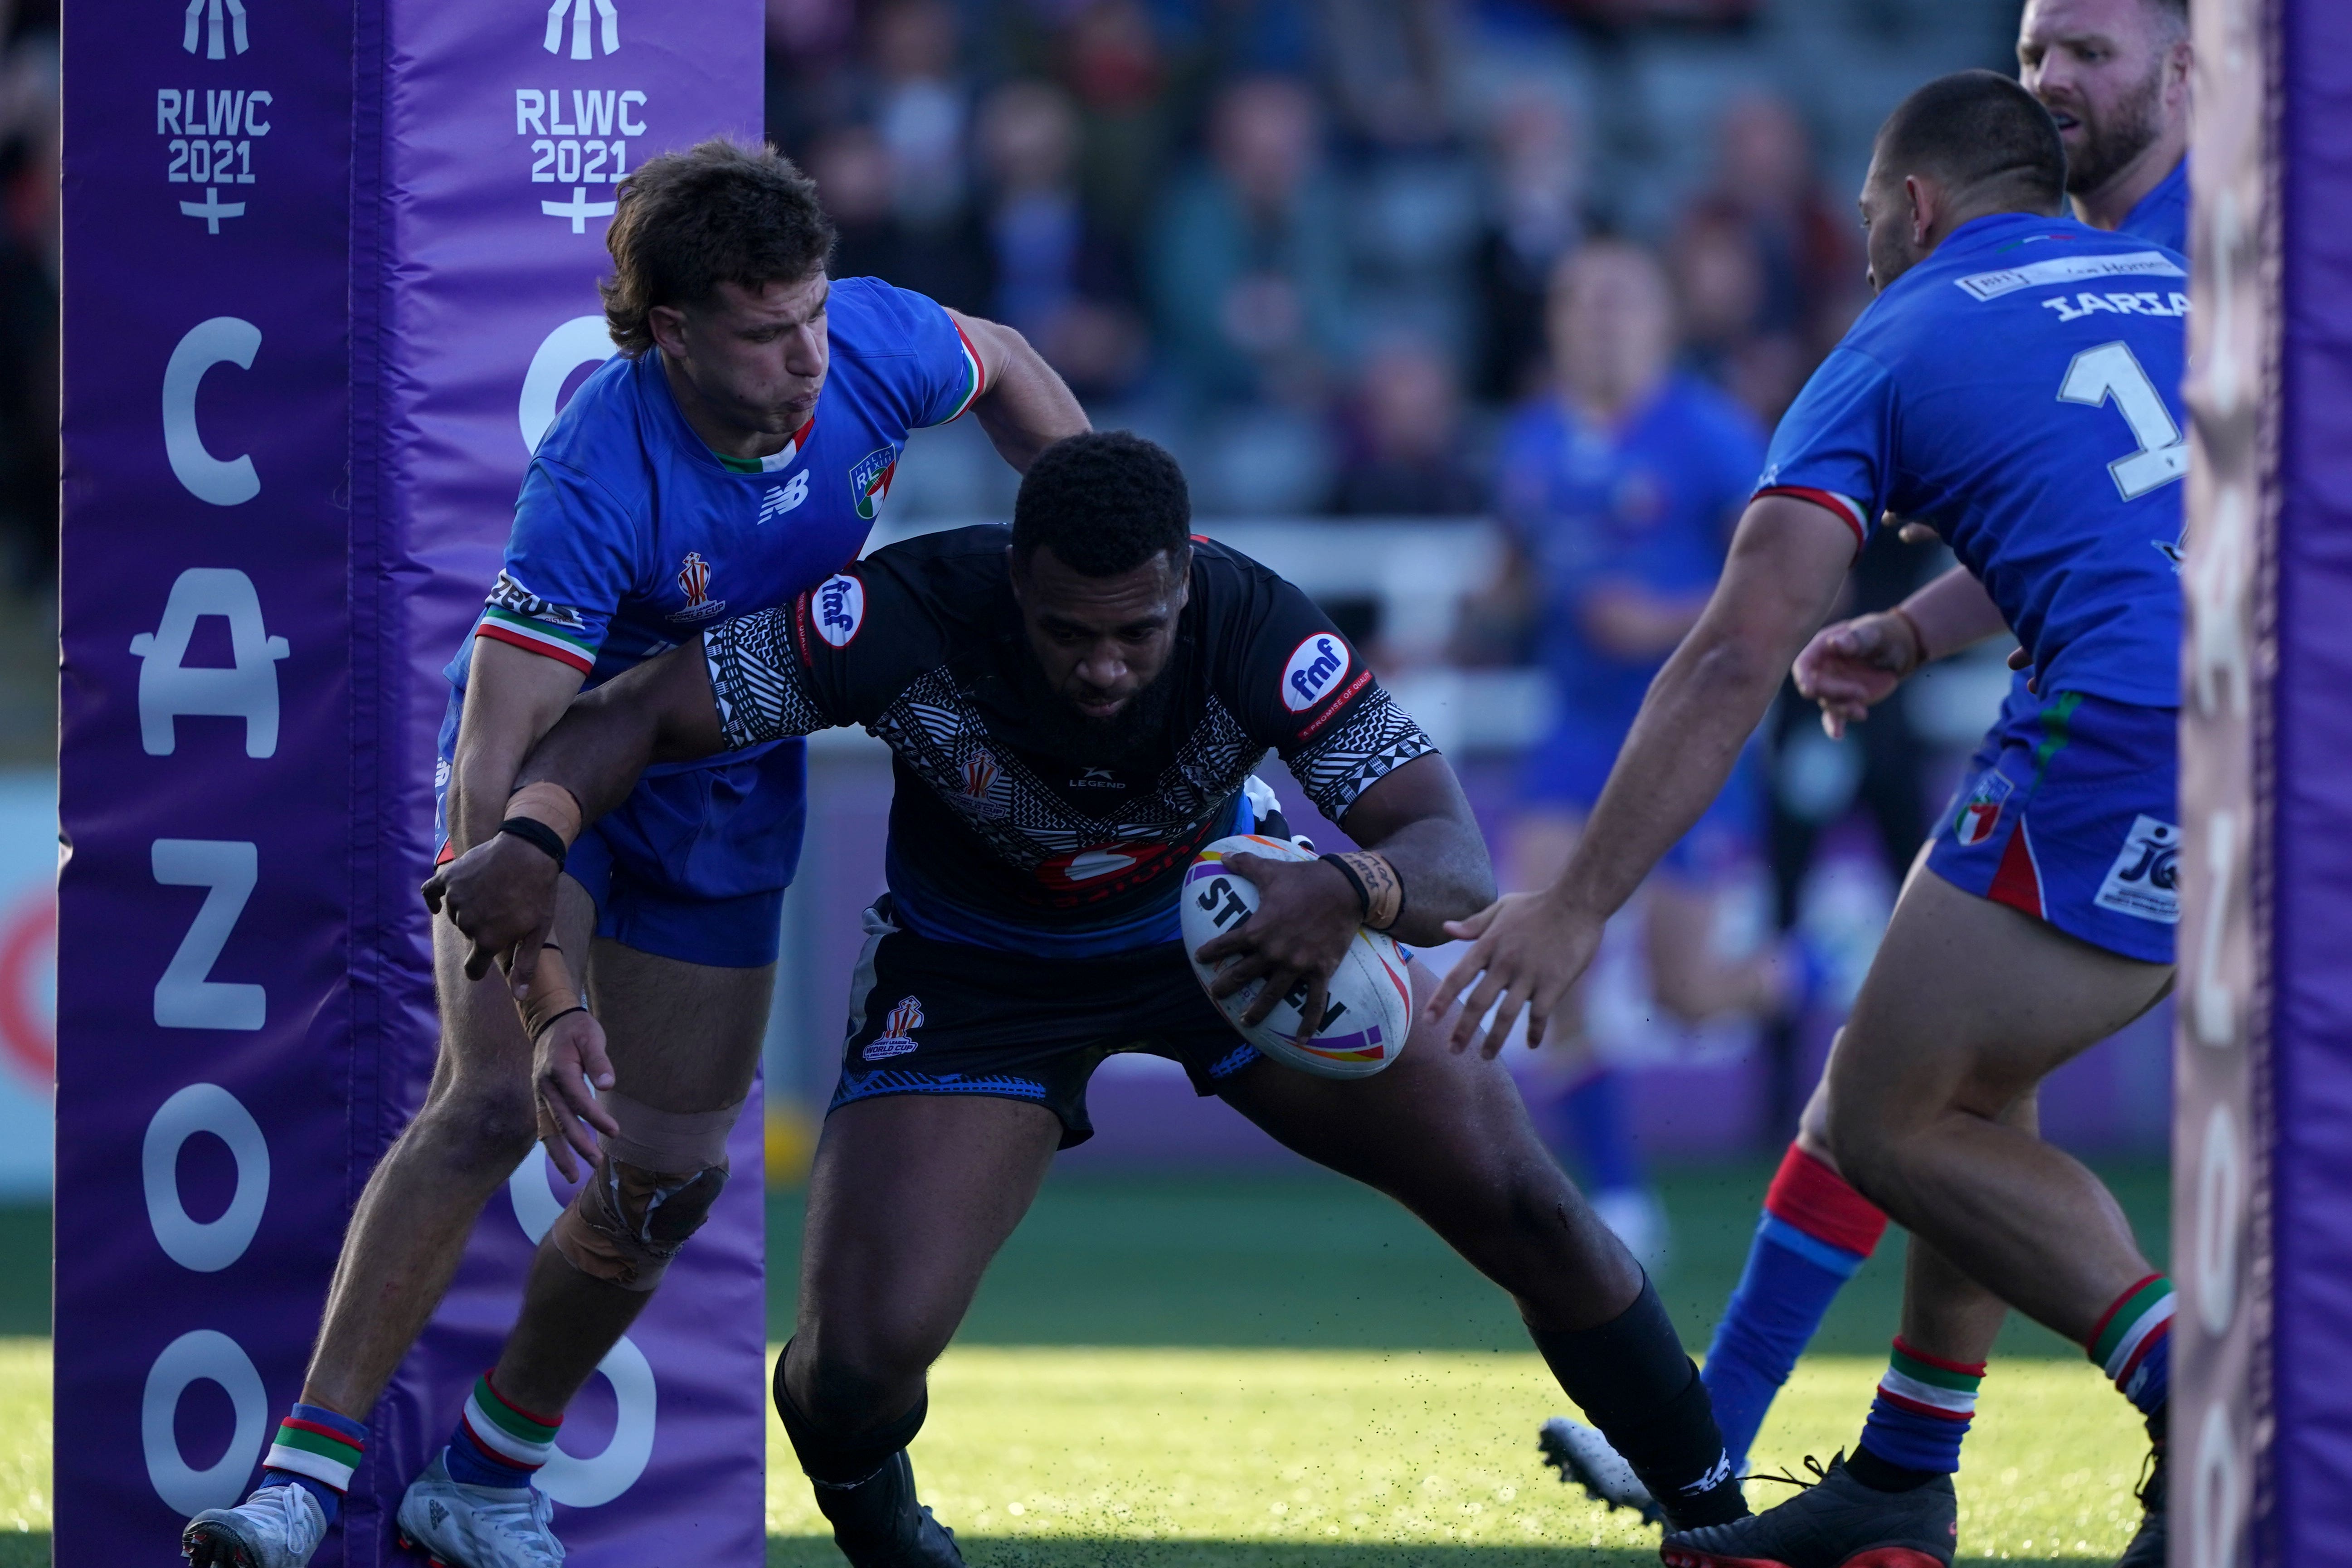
(1639, 1387)
(830, 1458)
(1884, 1475)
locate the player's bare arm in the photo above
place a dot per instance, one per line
(1023, 404)
(1851, 667)
(1432, 866)
(1788, 562)
(501, 892)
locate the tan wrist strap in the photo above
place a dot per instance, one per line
(1382, 889)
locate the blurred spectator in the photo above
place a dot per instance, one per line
(1061, 277)
(1406, 455)
(1387, 62)
(1249, 274)
(809, 84)
(852, 171)
(29, 148)
(1112, 61)
(922, 114)
(1536, 217)
(1805, 270)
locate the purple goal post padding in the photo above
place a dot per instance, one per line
(2260, 1436)
(328, 272)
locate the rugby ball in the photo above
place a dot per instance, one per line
(1368, 1010)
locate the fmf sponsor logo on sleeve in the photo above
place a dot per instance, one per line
(2145, 879)
(839, 607)
(1315, 670)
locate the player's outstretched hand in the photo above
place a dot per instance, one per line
(1307, 915)
(1851, 665)
(501, 895)
(569, 1058)
(1525, 950)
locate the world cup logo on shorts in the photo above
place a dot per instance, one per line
(897, 1037)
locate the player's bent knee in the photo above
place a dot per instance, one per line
(483, 1132)
(652, 1187)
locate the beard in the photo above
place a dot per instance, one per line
(2115, 138)
(1067, 733)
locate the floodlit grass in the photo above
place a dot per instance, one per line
(23, 1452)
(1052, 1457)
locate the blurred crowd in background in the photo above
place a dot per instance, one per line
(30, 140)
(1308, 243)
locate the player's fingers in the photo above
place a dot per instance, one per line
(598, 1065)
(552, 1139)
(576, 1111)
(1505, 1014)
(435, 887)
(1538, 1020)
(1242, 863)
(1472, 927)
(1833, 723)
(522, 966)
(1310, 1018)
(1915, 533)
(479, 961)
(1280, 982)
(2019, 659)
(1475, 1007)
(1466, 970)
(1238, 974)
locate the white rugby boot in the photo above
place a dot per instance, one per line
(458, 1526)
(1583, 1457)
(277, 1527)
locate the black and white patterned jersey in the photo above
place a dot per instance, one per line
(1003, 831)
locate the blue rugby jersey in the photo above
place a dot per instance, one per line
(631, 535)
(2162, 214)
(1650, 502)
(2019, 391)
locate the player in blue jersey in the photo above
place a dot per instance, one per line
(1983, 394)
(732, 456)
(1617, 491)
(2114, 75)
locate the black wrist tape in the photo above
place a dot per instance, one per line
(1363, 894)
(538, 834)
(548, 1021)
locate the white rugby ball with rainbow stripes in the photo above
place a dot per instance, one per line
(1369, 1008)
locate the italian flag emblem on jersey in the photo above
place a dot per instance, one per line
(869, 481)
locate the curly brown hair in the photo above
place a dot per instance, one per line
(687, 222)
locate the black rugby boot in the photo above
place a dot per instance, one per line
(2147, 1543)
(1837, 1523)
(878, 1524)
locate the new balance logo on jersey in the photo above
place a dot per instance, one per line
(1315, 669)
(694, 582)
(1981, 811)
(897, 1037)
(2144, 882)
(781, 499)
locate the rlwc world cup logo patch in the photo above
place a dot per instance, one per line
(1981, 812)
(694, 582)
(897, 1037)
(980, 771)
(869, 481)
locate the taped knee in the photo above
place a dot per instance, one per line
(830, 1458)
(652, 1187)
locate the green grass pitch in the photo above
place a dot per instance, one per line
(1281, 1370)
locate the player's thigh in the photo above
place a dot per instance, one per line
(1434, 1125)
(484, 1047)
(909, 1197)
(683, 1037)
(1969, 1005)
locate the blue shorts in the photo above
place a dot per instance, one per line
(2070, 812)
(693, 866)
(1567, 769)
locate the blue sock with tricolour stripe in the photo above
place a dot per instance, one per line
(1920, 1414)
(497, 1442)
(1815, 1233)
(317, 1450)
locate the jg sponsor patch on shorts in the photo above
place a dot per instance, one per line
(2144, 880)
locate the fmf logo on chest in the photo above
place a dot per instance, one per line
(1315, 667)
(838, 609)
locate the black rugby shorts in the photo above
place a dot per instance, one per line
(940, 1017)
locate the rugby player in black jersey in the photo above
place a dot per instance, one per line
(1074, 709)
